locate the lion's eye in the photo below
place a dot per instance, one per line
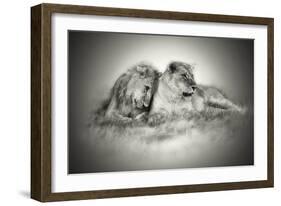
(184, 76)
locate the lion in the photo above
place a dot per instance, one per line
(178, 93)
(132, 93)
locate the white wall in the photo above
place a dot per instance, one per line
(15, 102)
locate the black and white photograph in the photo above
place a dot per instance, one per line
(153, 102)
(133, 102)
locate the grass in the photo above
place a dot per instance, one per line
(194, 139)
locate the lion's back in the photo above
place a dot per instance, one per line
(210, 92)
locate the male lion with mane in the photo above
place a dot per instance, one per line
(178, 93)
(132, 93)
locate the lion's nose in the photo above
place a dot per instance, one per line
(193, 88)
(147, 88)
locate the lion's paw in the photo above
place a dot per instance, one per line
(156, 119)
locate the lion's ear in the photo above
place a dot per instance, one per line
(192, 67)
(172, 67)
(139, 68)
(159, 74)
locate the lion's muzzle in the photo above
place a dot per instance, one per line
(190, 92)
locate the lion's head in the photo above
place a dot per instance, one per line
(140, 85)
(180, 79)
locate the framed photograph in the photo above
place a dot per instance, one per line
(130, 102)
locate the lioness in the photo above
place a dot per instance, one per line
(132, 93)
(178, 93)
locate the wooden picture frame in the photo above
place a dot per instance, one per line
(41, 116)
